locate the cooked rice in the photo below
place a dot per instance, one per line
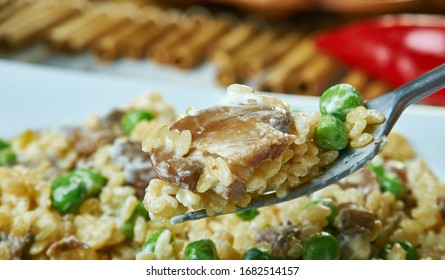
(357, 120)
(299, 163)
(31, 229)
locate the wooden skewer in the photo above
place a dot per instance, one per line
(11, 9)
(123, 43)
(193, 51)
(314, 76)
(251, 66)
(23, 11)
(292, 60)
(154, 13)
(59, 35)
(374, 89)
(257, 45)
(135, 42)
(254, 47)
(174, 34)
(12, 26)
(107, 48)
(228, 75)
(228, 67)
(139, 3)
(227, 45)
(81, 39)
(26, 32)
(136, 45)
(4, 3)
(356, 78)
(77, 41)
(180, 31)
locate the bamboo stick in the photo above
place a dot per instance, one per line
(23, 12)
(107, 48)
(297, 56)
(193, 51)
(229, 68)
(133, 43)
(100, 26)
(10, 7)
(4, 3)
(314, 76)
(252, 65)
(356, 78)
(228, 75)
(231, 41)
(374, 89)
(137, 44)
(28, 31)
(59, 35)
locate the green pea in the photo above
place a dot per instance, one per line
(248, 215)
(334, 210)
(411, 253)
(311, 203)
(68, 193)
(384, 252)
(392, 184)
(257, 254)
(339, 99)
(7, 157)
(331, 133)
(3, 144)
(203, 249)
(132, 118)
(321, 246)
(127, 227)
(93, 180)
(141, 211)
(150, 242)
(377, 169)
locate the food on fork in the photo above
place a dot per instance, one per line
(390, 209)
(249, 144)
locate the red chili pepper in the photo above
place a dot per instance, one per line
(393, 48)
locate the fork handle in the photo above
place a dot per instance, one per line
(395, 102)
(420, 87)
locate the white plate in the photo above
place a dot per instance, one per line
(37, 97)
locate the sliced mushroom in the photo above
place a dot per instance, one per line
(244, 136)
(18, 246)
(85, 142)
(285, 241)
(354, 221)
(136, 164)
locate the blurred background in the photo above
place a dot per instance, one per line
(287, 46)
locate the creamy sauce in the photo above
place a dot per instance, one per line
(239, 95)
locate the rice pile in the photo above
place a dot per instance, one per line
(30, 228)
(298, 163)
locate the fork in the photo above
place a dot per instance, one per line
(391, 104)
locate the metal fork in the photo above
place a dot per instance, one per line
(391, 105)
